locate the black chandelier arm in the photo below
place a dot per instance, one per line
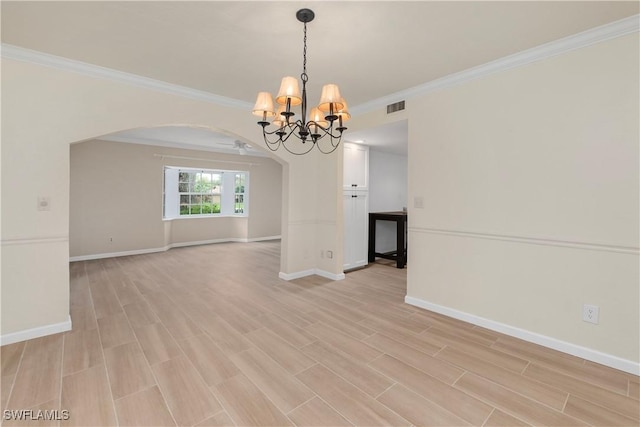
(335, 142)
(326, 131)
(281, 142)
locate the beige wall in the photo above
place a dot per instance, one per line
(116, 198)
(530, 181)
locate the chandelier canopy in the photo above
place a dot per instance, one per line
(317, 127)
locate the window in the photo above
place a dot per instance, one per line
(239, 193)
(201, 192)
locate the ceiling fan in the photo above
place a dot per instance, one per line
(242, 147)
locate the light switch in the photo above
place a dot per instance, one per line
(418, 202)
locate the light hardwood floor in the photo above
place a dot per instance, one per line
(210, 336)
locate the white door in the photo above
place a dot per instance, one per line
(355, 229)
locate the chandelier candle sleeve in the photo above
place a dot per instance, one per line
(318, 127)
(289, 92)
(264, 106)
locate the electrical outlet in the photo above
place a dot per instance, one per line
(330, 254)
(590, 313)
(44, 203)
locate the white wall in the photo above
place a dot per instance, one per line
(116, 198)
(387, 192)
(530, 181)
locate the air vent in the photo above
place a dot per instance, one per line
(397, 106)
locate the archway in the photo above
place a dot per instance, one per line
(52, 108)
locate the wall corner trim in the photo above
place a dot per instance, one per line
(38, 332)
(543, 340)
(310, 272)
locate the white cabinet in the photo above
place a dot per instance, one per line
(356, 205)
(356, 212)
(356, 167)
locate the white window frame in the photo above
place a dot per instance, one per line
(171, 193)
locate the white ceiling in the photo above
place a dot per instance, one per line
(237, 48)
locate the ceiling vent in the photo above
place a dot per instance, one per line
(397, 106)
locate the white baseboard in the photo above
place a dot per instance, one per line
(310, 272)
(328, 275)
(38, 332)
(166, 248)
(116, 254)
(543, 340)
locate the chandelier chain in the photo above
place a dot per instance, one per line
(304, 76)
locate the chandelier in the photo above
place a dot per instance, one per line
(325, 122)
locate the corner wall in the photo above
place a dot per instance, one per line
(530, 180)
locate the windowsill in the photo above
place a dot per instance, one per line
(206, 216)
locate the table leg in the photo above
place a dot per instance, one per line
(372, 239)
(402, 258)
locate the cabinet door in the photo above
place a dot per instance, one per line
(356, 167)
(355, 229)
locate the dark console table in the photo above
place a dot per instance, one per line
(400, 254)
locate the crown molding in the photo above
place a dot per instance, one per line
(586, 38)
(557, 47)
(40, 58)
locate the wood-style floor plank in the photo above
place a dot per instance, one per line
(247, 405)
(351, 346)
(357, 373)
(38, 377)
(221, 419)
(115, 330)
(210, 336)
(145, 408)
(355, 405)
(128, 370)
(513, 403)
(87, 397)
(532, 389)
(596, 415)
(209, 360)
(289, 357)
(289, 332)
(157, 344)
(420, 411)
(82, 350)
(10, 358)
(284, 390)
(463, 405)
(437, 368)
(6, 384)
(622, 404)
(317, 413)
(140, 314)
(186, 394)
(500, 419)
